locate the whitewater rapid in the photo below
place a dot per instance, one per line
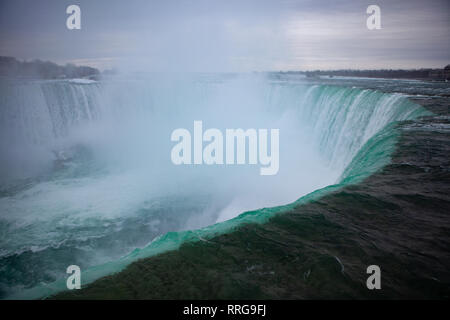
(86, 176)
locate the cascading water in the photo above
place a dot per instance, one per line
(86, 175)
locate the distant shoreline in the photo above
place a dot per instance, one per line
(401, 74)
(37, 69)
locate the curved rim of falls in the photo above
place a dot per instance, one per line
(371, 157)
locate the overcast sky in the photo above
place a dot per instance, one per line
(229, 35)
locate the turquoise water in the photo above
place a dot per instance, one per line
(100, 192)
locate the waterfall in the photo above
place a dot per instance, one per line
(93, 184)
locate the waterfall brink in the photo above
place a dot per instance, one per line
(86, 176)
(35, 116)
(340, 119)
(41, 111)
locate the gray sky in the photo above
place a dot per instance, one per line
(229, 35)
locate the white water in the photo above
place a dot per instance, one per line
(117, 189)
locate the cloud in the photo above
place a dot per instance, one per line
(229, 35)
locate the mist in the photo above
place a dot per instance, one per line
(86, 168)
(85, 165)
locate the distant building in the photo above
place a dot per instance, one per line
(440, 74)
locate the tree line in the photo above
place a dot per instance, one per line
(11, 67)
